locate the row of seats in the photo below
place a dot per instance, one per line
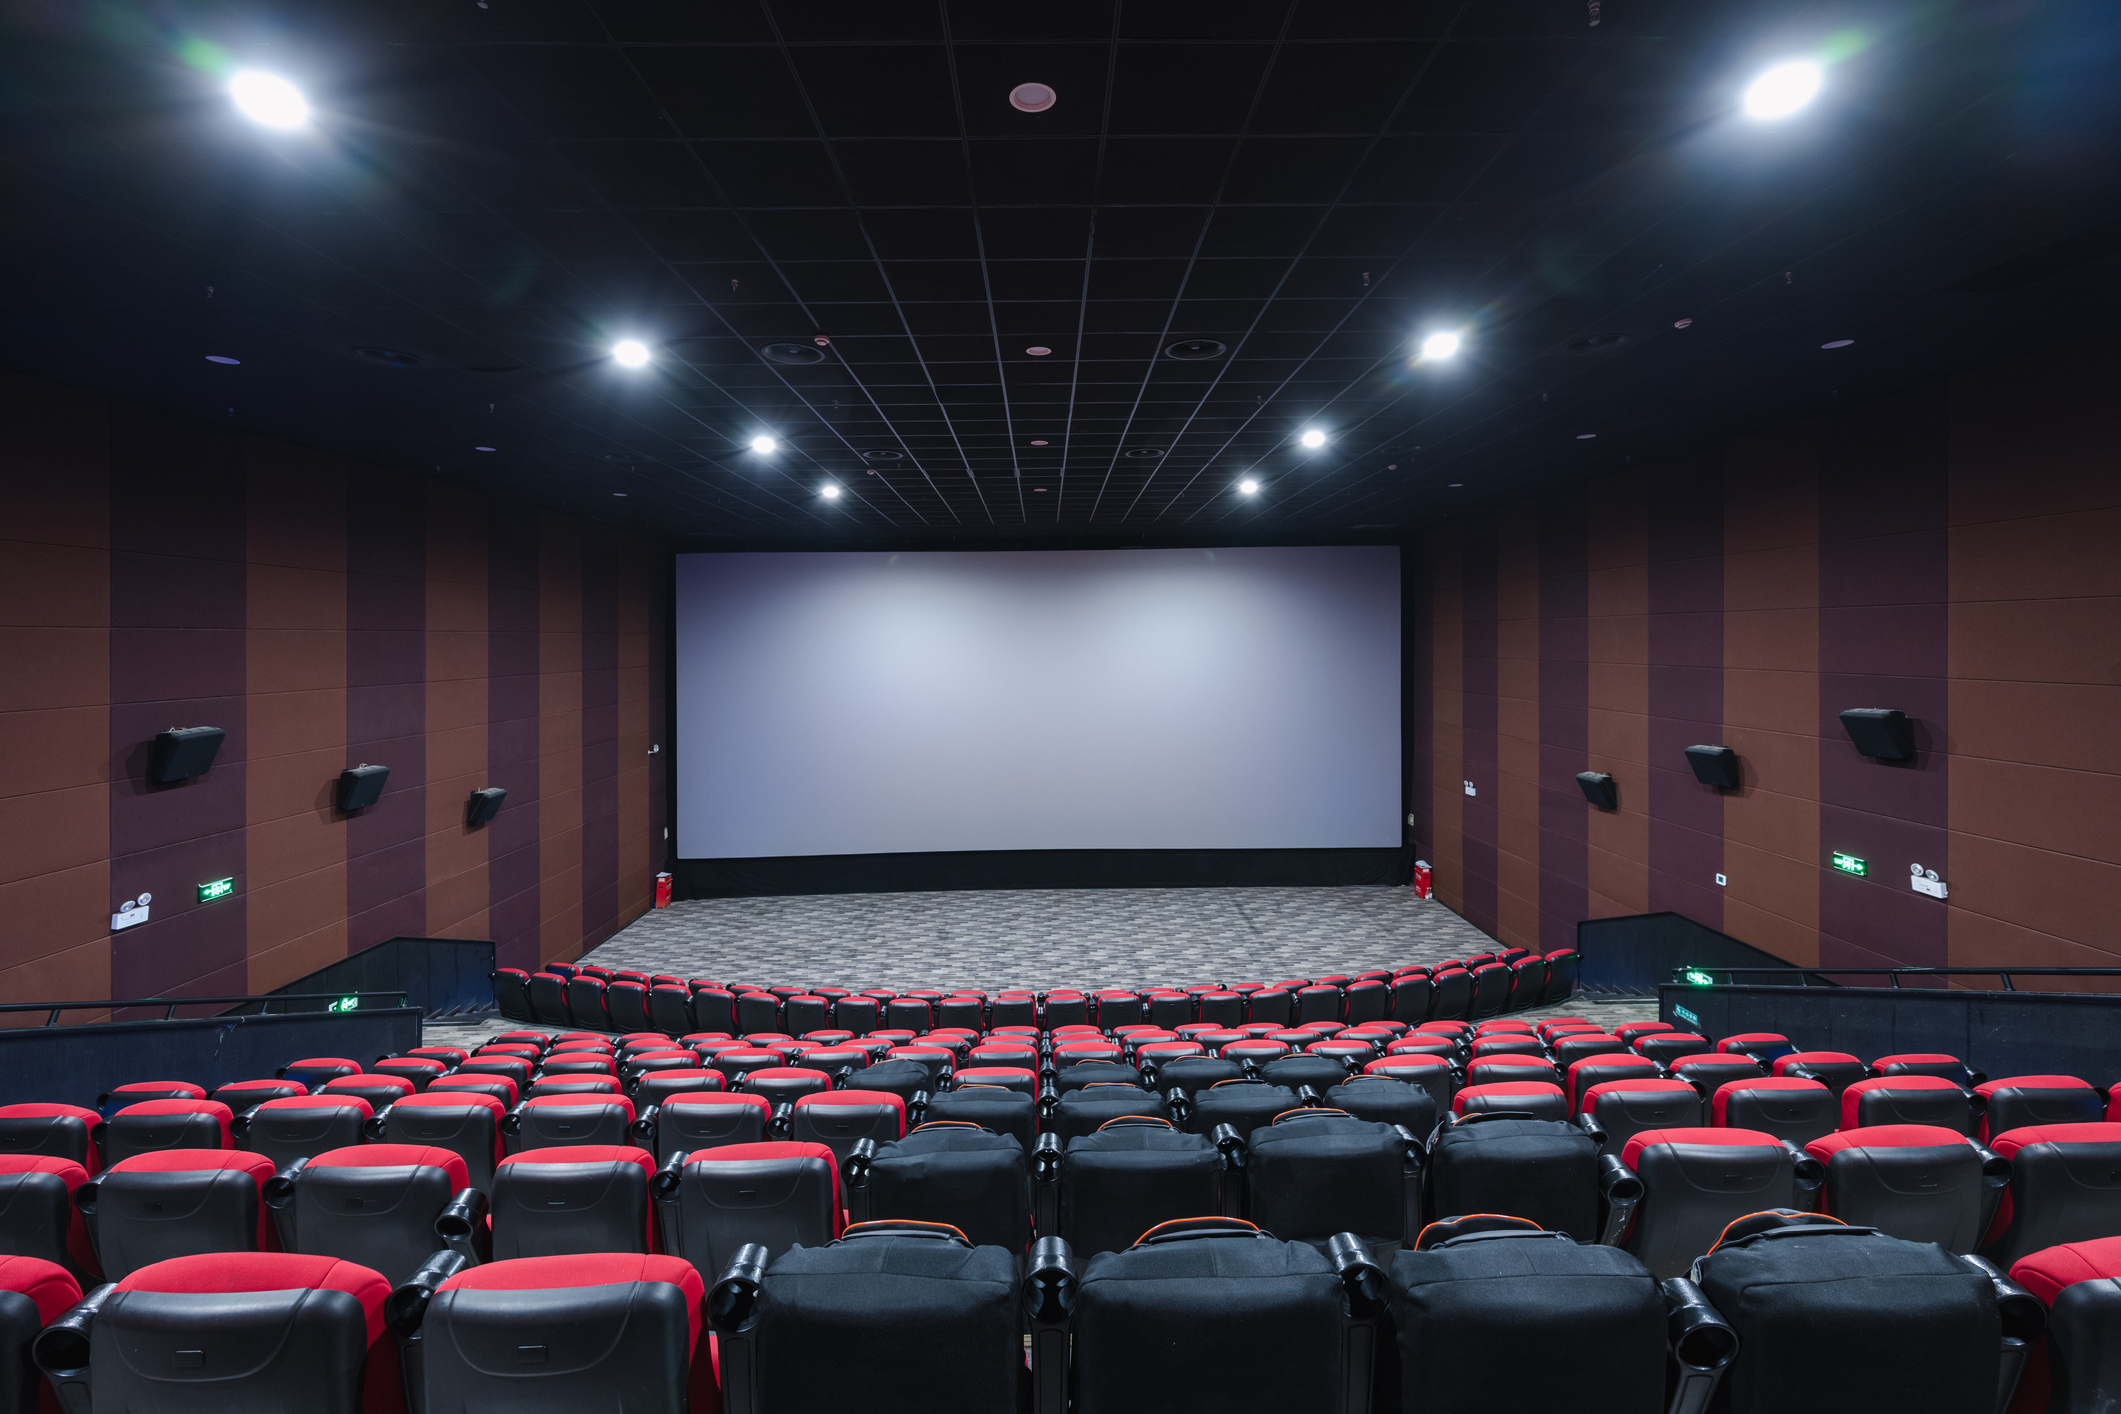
(1786, 1309)
(608, 999)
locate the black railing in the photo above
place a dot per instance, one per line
(1895, 976)
(332, 1001)
(440, 976)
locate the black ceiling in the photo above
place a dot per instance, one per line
(493, 191)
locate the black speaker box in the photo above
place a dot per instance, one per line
(1598, 789)
(1714, 766)
(184, 752)
(485, 804)
(1883, 732)
(362, 786)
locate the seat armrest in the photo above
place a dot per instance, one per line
(1592, 1127)
(406, 1307)
(733, 1311)
(1701, 1342)
(512, 1122)
(917, 1109)
(1181, 1105)
(1231, 1151)
(61, 1350)
(642, 1130)
(279, 1195)
(2024, 1320)
(462, 1227)
(1619, 1191)
(1810, 1173)
(854, 1178)
(1362, 1282)
(782, 1124)
(1310, 1097)
(1045, 1179)
(376, 1125)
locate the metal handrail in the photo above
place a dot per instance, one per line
(1894, 974)
(172, 1003)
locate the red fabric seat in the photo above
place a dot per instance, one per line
(153, 1125)
(580, 1198)
(37, 1213)
(49, 1287)
(1919, 1182)
(2065, 1187)
(1695, 1183)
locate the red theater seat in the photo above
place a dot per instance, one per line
(285, 1130)
(1906, 1099)
(2022, 1101)
(33, 1294)
(63, 1131)
(2065, 1187)
(1536, 1099)
(2080, 1282)
(154, 1125)
(1836, 1070)
(37, 1213)
(778, 1195)
(1797, 1110)
(1696, 1182)
(584, 1198)
(689, 1122)
(374, 1204)
(176, 1203)
(466, 1124)
(1915, 1181)
(1633, 1105)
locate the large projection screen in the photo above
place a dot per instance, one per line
(872, 703)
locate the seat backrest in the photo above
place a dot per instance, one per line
(1545, 1171)
(1536, 1098)
(154, 1125)
(1906, 1099)
(1625, 1108)
(1313, 1173)
(62, 1131)
(1244, 1105)
(175, 1203)
(979, 1183)
(843, 1118)
(299, 1126)
(2021, 1101)
(2065, 1186)
(1386, 1099)
(465, 1123)
(1786, 1107)
(550, 1121)
(584, 1198)
(707, 1120)
(1118, 1183)
(994, 1108)
(776, 1194)
(371, 1204)
(1695, 1183)
(1914, 1181)
(37, 1214)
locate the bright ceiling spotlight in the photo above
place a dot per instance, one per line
(268, 99)
(630, 353)
(829, 491)
(1248, 486)
(1439, 345)
(763, 443)
(1783, 89)
(1314, 439)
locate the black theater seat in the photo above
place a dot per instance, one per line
(579, 1199)
(996, 1109)
(548, 999)
(1696, 1182)
(1432, 1074)
(1837, 1070)
(2065, 1186)
(604, 1331)
(1592, 1071)
(1491, 989)
(33, 1294)
(373, 1204)
(550, 1121)
(37, 1213)
(2080, 1283)
(315, 1071)
(784, 1327)
(976, 1182)
(380, 1091)
(230, 1332)
(63, 1131)
(1906, 1099)
(843, 1118)
(1622, 1109)
(1543, 1171)
(301, 1125)
(1943, 1067)
(1264, 1324)
(155, 1125)
(1313, 1173)
(1386, 1099)
(1536, 1099)
(176, 1203)
(1914, 1181)
(1710, 1073)
(775, 1194)
(1788, 1108)
(1116, 1184)
(1664, 1047)
(2022, 1101)
(466, 1124)
(243, 1096)
(1244, 1105)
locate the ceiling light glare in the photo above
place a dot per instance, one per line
(1248, 486)
(630, 353)
(1837, 343)
(222, 358)
(1439, 346)
(829, 492)
(268, 99)
(763, 443)
(1314, 439)
(1783, 90)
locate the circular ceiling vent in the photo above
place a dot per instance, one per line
(883, 454)
(794, 353)
(1608, 342)
(1197, 348)
(1032, 97)
(396, 358)
(1145, 452)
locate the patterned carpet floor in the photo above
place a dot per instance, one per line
(1043, 938)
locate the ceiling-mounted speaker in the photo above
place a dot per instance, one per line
(362, 786)
(1883, 732)
(184, 752)
(485, 804)
(1598, 789)
(1714, 766)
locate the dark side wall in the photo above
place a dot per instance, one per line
(156, 571)
(1953, 550)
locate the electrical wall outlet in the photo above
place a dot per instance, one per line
(1719, 881)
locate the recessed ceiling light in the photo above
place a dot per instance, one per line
(630, 353)
(482, 449)
(1313, 439)
(1038, 488)
(1837, 343)
(763, 443)
(1681, 323)
(1442, 344)
(829, 492)
(1585, 436)
(1038, 441)
(268, 99)
(1456, 485)
(222, 358)
(1248, 486)
(1783, 89)
(1038, 351)
(1033, 97)
(620, 494)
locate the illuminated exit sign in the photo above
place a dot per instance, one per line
(219, 888)
(1850, 864)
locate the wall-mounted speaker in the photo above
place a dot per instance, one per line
(1598, 789)
(485, 804)
(362, 786)
(1883, 732)
(184, 752)
(1714, 766)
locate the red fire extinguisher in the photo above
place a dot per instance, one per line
(1421, 878)
(662, 890)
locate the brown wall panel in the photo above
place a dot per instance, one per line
(1619, 687)
(1447, 715)
(560, 737)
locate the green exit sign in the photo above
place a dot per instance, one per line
(1850, 864)
(219, 888)
(1700, 978)
(344, 1004)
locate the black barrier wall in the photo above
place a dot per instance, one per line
(1639, 952)
(2001, 1033)
(74, 1064)
(436, 975)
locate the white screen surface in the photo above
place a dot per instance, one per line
(873, 703)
